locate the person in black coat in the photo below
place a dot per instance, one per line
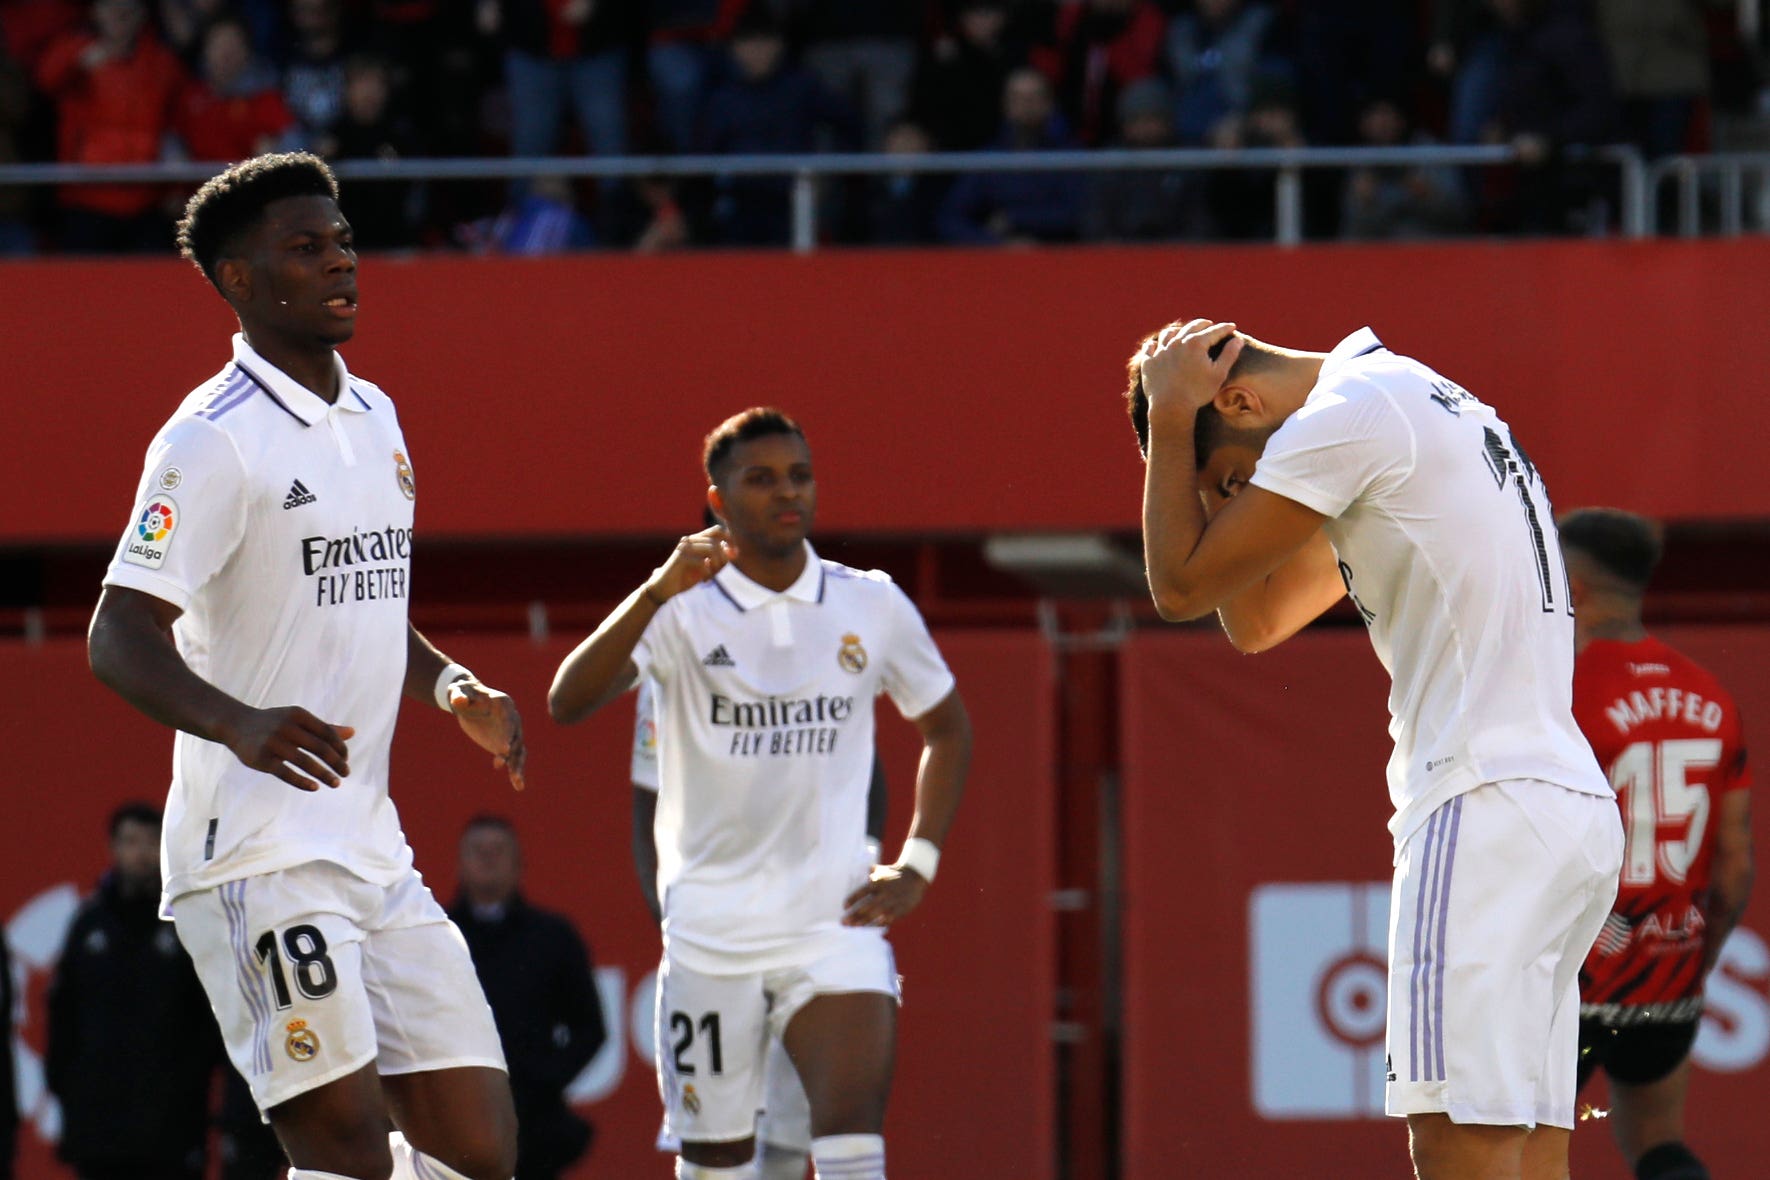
(537, 977)
(133, 1047)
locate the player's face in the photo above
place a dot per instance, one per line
(301, 260)
(1229, 470)
(770, 493)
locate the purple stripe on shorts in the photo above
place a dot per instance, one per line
(1413, 1008)
(234, 908)
(1450, 864)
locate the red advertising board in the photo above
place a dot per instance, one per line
(1256, 882)
(974, 1088)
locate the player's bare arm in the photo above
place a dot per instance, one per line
(1276, 607)
(131, 649)
(486, 715)
(1732, 874)
(1197, 564)
(895, 890)
(601, 668)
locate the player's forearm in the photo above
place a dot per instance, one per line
(598, 670)
(1284, 602)
(424, 664)
(133, 656)
(940, 778)
(1730, 890)
(1173, 518)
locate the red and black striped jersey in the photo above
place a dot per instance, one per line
(1669, 738)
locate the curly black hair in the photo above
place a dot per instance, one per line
(756, 422)
(229, 205)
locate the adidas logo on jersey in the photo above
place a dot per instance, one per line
(719, 658)
(298, 495)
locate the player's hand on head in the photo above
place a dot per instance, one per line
(491, 719)
(1179, 372)
(697, 558)
(292, 744)
(888, 895)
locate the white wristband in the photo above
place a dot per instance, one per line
(874, 851)
(445, 678)
(920, 855)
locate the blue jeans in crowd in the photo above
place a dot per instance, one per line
(540, 87)
(678, 82)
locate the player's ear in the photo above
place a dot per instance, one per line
(716, 502)
(234, 278)
(1240, 406)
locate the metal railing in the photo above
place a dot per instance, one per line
(1723, 173)
(804, 172)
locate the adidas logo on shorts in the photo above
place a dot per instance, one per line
(719, 658)
(298, 495)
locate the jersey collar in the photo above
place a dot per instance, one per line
(1358, 344)
(747, 595)
(297, 400)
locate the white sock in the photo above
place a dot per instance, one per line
(849, 1157)
(411, 1164)
(688, 1171)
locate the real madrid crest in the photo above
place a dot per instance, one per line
(852, 657)
(691, 1100)
(402, 471)
(303, 1044)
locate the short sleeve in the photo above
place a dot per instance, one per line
(652, 654)
(189, 516)
(644, 765)
(915, 675)
(1341, 444)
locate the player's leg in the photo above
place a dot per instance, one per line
(1648, 1083)
(1443, 1150)
(711, 1036)
(439, 1056)
(785, 1131)
(280, 958)
(838, 1018)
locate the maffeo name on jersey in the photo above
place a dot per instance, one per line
(782, 726)
(361, 567)
(1669, 704)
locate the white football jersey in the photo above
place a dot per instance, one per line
(1448, 548)
(282, 527)
(765, 753)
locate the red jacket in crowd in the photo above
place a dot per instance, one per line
(114, 113)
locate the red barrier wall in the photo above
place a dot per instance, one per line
(568, 395)
(1256, 871)
(977, 958)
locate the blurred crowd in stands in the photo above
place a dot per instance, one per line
(114, 81)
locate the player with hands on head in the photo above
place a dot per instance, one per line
(1279, 481)
(257, 604)
(766, 661)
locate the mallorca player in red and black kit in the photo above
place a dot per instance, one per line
(1669, 737)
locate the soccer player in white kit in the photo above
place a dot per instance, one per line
(257, 604)
(767, 661)
(784, 1131)
(1278, 481)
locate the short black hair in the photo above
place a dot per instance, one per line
(229, 205)
(1209, 431)
(487, 819)
(1625, 546)
(134, 812)
(755, 422)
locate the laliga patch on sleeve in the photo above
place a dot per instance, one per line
(152, 534)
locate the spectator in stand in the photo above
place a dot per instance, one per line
(903, 208)
(1659, 55)
(313, 79)
(116, 89)
(133, 1048)
(1100, 47)
(537, 978)
(1006, 208)
(235, 110)
(559, 53)
(1411, 202)
(663, 225)
(681, 61)
(1215, 55)
(381, 212)
(769, 105)
(543, 219)
(16, 233)
(958, 91)
(1241, 202)
(1150, 205)
(865, 51)
(184, 23)
(1349, 54)
(1555, 92)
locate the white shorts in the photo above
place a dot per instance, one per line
(314, 973)
(785, 1120)
(1496, 901)
(714, 1032)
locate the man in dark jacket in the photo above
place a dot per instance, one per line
(133, 1047)
(537, 978)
